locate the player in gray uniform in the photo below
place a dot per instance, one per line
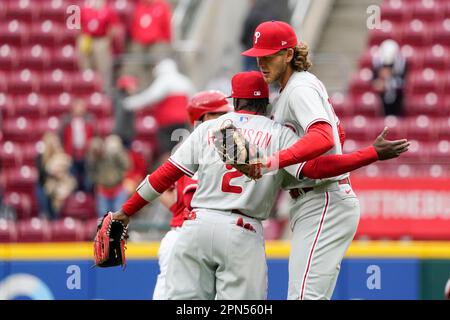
(324, 212)
(220, 248)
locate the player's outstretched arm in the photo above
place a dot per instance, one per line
(333, 165)
(150, 188)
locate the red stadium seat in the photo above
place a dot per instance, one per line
(21, 203)
(45, 33)
(10, 155)
(34, 230)
(397, 129)
(343, 105)
(443, 126)
(59, 104)
(80, 205)
(67, 229)
(31, 106)
(6, 106)
(437, 57)
(35, 57)
(388, 30)
(424, 81)
(21, 130)
(368, 104)
(22, 10)
(440, 152)
(21, 180)
(428, 10)
(146, 127)
(14, 33)
(416, 33)
(53, 82)
(394, 10)
(8, 231)
(52, 124)
(125, 10)
(361, 81)
(418, 152)
(22, 82)
(99, 105)
(65, 58)
(420, 128)
(8, 57)
(29, 153)
(430, 104)
(441, 32)
(357, 128)
(85, 83)
(54, 10)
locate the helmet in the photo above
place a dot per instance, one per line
(207, 102)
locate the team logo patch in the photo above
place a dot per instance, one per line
(256, 93)
(257, 35)
(283, 43)
(243, 119)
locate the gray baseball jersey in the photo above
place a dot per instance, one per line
(324, 220)
(222, 187)
(303, 102)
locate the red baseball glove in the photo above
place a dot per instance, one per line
(109, 242)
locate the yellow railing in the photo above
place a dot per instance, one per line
(274, 250)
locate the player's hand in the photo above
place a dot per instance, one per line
(120, 215)
(387, 149)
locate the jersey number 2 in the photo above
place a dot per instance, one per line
(227, 177)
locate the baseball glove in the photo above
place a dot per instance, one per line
(109, 242)
(238, 152)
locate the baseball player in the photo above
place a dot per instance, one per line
(204, 106)
(220, 248)
(325, 212)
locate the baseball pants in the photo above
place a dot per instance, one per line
(323, 222)
(165, 248)
(215, 258)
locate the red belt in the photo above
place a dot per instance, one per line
(297, 192)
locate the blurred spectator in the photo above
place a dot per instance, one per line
(260, 11)
(167, 97)
(123, 118)
(51, 146)
(98, 20)
(137, 170)
(389, 70)
(59, 183)
(151, 34)
(77, 132)
(107, 165)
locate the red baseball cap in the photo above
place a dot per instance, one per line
(271, 37)
(204, 102)
(249, 85)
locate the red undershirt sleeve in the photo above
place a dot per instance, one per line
(154, 184)
(317, 141)
(332, 165)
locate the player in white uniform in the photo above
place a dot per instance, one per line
(324, 213)
(204, 106)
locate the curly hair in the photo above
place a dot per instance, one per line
(300, 61)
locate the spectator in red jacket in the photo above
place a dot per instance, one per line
(77, 132)
(151, 35)
(98, 22)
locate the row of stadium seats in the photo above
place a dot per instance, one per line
(406, 10)
(39, 230)
(50, 82)
(54, 10)
(434, 57)
(38, 57)
(416, 33)
(35, 105)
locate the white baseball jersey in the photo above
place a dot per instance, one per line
(303, 102)
(222, 187)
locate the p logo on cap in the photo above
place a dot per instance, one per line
(271, 37)
(257, 35)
